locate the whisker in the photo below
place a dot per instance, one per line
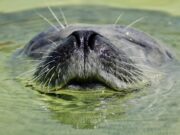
(124, 60)
(134, 22)
(28, 60)
(130, 47)
(141, 67)
(130, 64)
(46, 64)
(134, 74)
(119, 17)
(125, 78)
(44, 67)
(58, 72)
(38, 76)
(130, 57)
(48, 72)
(56, 17)
(136, 65)
(133, 71)
(49, 22)
(138, 68)
(44, 84)
(27, 72)
(32, 60)
(53, 42)
(46, 56)
(54, 51)
(51, 78)
(64, 18)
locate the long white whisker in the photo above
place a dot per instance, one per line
(48, 72)
(134, 22)
(51, 79)
(44, 67)
(53, 43)
(47, 79)
(39, 75)
(49, 22)
(57, 68)
(47, 53)
(46, 56)
(64, 18)
(119, 17)
(130, 47)
(45, 83)
(56, 17)
(132, 73)
(27, 72)
(28, 60)
(33, 60)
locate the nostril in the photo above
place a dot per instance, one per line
(91, 40)
(77, 36)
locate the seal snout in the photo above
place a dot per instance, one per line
(86, 58)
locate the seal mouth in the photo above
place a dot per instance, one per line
(88, 84)
(87, 60)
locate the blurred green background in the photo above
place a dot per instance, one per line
(171, 6)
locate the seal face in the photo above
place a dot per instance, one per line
(83, 56)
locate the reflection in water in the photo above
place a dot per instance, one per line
(85, 109)
(154, 110)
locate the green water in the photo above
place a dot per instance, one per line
(152, 111)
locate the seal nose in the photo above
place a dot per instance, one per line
(85, 39)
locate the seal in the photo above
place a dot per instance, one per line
(90, 56)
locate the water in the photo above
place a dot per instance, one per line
(152, 111)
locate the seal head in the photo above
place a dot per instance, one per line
(88, 57)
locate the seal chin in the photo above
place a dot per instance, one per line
(86, 59)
